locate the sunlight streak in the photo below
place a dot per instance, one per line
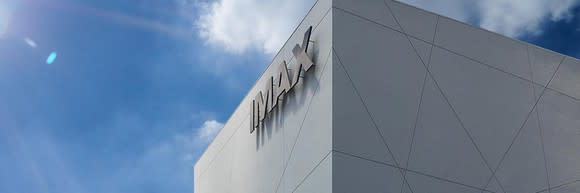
(5, 14)
(122, 18)
(30, 42)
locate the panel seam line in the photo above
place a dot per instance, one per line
(302, 123)
(371, 117)
(444, 96)
(420, 103)
(411, 171)
(525, 120)
(458, 54)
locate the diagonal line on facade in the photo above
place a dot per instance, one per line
(312, 171)
(419, 107)
(411, 171)
(302, 123)
(458, 54)
(523, 124)
(444, 96)
(558, 186)
(539, 122)
(372, 119)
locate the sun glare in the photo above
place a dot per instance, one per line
(4, 18)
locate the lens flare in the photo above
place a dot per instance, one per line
(30, 42)
(51, 58)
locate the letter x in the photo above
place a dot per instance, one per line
(300, 52)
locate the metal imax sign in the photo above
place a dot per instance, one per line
(281, 83)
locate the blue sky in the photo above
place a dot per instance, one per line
(140, 87)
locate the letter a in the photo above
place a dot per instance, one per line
(282, 82)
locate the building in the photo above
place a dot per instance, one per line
(399, 99)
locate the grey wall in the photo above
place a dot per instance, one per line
(403, 100)
(423, 103)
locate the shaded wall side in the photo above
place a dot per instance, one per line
(424, 103)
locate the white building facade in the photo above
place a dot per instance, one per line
(380, 96)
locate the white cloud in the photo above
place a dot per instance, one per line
(513, 18)
(518, 17)
(241, 25)
(208, 131)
